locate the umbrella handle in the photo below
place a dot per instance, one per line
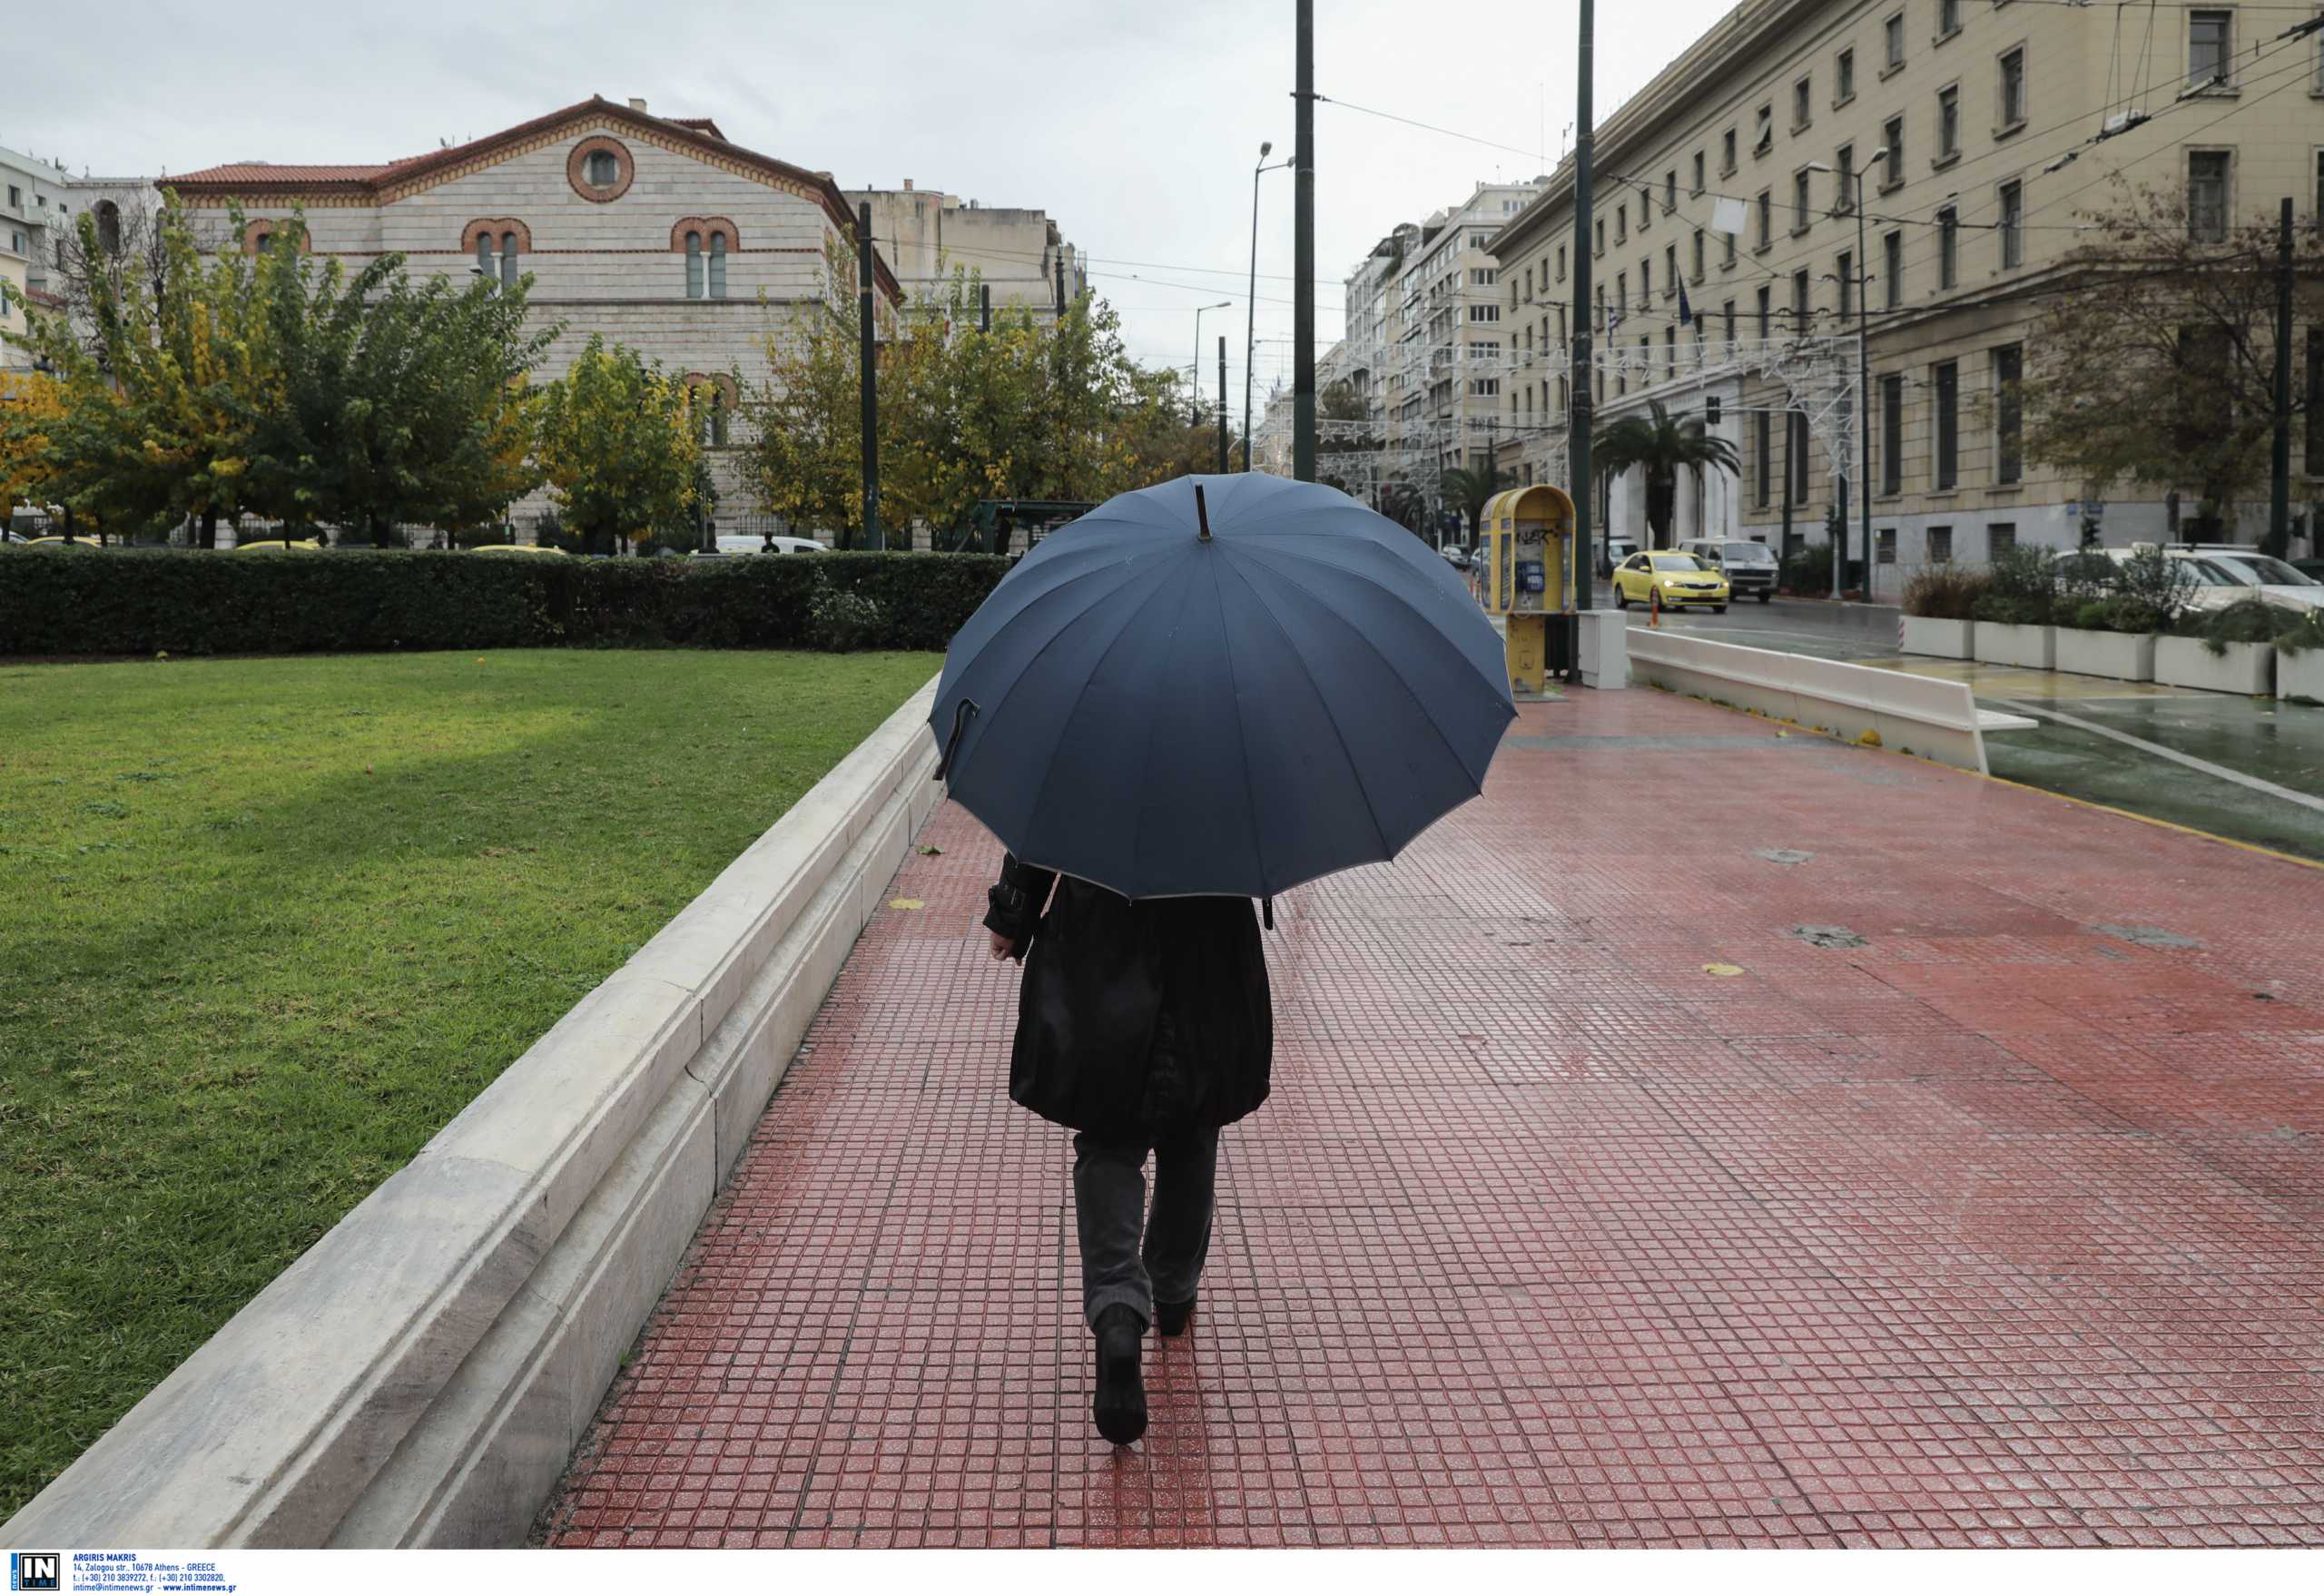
(961, 713)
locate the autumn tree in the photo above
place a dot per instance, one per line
(2155, 363)
(32, 403)
(163, 397)
(615, 441)
(1028, 409)
(398, 401)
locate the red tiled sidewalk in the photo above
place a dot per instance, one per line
(1997, 1230)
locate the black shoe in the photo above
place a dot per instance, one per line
(1120, 1407)
(1170, 1317)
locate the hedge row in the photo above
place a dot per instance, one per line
(62, 601)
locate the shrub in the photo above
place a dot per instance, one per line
(2021, 588)
(841, 619)
(58, 601)
(1945, 592)
(2248, 620)
(1809, 571)
(2302, 635)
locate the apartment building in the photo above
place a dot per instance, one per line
(1978, 133)
(1018, 253)
(1423, 337)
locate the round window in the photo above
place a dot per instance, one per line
(605, 170)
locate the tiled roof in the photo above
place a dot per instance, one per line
(267, 171)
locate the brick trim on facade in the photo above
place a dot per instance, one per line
(577, 164)
(493, 227)
(256, 226)
(721, 380)
(707, 226)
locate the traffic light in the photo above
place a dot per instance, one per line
(1710, 410)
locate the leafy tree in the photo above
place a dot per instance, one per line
(32, 403)
(1662, 446)
(1471, 488)
(1029, 408)
(399, 401)
(2157, 365)
(162, 400)
(617, 445)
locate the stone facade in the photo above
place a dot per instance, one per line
(927, 235)
(1992, 109)
(598, 202)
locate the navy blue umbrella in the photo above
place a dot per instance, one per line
(1222, 685)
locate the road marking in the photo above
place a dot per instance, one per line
(2172, 754)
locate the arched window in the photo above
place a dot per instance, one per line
(717, 265)
(508, 260)
(484, 256)
(260, 243)
(109, 227)
(718, 418)
(694, 265)
(604, 169)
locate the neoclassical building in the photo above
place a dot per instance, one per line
(653, 232)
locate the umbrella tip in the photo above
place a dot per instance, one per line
(1202, 513)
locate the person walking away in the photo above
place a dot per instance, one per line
(1143, 1027)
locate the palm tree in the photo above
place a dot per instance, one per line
(1663, 447)
(1471, 488)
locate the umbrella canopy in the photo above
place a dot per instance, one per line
(1221, 685)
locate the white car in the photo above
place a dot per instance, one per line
(746, 543)
(2278, 582)
(2223, 576)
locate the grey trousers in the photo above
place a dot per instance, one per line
(1118, 1265)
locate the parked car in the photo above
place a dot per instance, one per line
(1749, 568)
(1612, 551)
(2313, 567)
(1455, 556)
(2223, 576)
(277, 545)
(519, 548)
(750, 543)
(2278, 581)
(1677, 579)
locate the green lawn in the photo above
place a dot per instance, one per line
(266, 925)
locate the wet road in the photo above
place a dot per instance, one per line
(2252, 769)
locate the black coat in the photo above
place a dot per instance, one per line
(1135, 1019)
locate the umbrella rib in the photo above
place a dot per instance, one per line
(1346, 753)
(1111, 644)
(1271, 550)
(1052, 640)
(1242, 733)
(1476, 778)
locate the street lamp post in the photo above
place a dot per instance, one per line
(1194, 372)
(1251, 297)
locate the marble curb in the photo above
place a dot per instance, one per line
(418, 1376)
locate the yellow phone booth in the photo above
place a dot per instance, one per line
(1528, 576)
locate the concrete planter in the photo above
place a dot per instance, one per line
(2034, 647)
(2302, 675)
(2127, 657)
(1944, 640)
(2248, 668)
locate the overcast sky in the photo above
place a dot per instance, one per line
(1135, 126)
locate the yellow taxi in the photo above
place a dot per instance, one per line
(1676, 579)
(278, 546)
(519, 548)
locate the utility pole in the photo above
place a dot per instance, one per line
(1222, 404)
(1303, 256)
(867, 357)
(984, 306)
(1579, 411)
(1861, 269)
(2279, 480)
(1060, 285)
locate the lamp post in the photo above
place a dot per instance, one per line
(1251, 295)
(1863, 275)
(1194, 372)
